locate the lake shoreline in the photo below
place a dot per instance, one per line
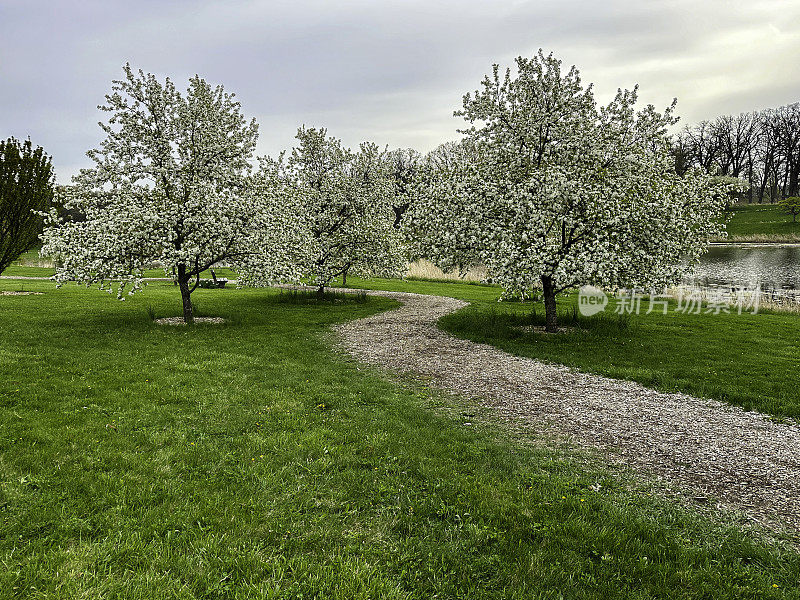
(756, 244)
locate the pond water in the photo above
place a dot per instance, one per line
(774, 267)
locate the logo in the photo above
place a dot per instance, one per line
(591, 300)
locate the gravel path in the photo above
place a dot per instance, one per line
(742, 459)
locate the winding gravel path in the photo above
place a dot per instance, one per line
(743, 459)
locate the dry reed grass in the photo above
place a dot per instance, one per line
(425, 269)
(759, 238)
(27, 261)
(768, 300)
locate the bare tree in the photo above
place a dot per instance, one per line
(761, 147)
(767, 159)
(788, 132)
(702, 145)
(735, 137)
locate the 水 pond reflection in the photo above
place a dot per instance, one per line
(774, 267)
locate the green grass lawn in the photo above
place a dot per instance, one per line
(29, 264)
(250, 460)
(761, 223)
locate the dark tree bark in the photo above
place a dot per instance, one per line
(399, 211)
(550, 314)
(186, 294)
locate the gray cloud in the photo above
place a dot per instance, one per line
(388, 71)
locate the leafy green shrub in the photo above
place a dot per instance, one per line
(790, 206)
(26, 188)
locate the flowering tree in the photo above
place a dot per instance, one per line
(560, 192)
(449, 157)
(171, 185)
(273, 247)
(347, 209)
(26, 188)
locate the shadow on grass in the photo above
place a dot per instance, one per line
(313, 297)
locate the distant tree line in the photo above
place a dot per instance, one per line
(760, 147)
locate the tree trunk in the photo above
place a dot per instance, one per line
(186, 295)
(551, 317)
(321, 292)
(785, 182)
(344, 278)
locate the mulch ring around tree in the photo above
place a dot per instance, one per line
(542, 329)
(11, 293)
(197, 321)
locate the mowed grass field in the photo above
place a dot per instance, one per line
(761, 223)
(30, 264)
(250, 460)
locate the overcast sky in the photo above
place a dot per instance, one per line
(388, 71)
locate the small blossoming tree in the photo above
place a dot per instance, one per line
(560, 192)
(172, 185)
(346, 199)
